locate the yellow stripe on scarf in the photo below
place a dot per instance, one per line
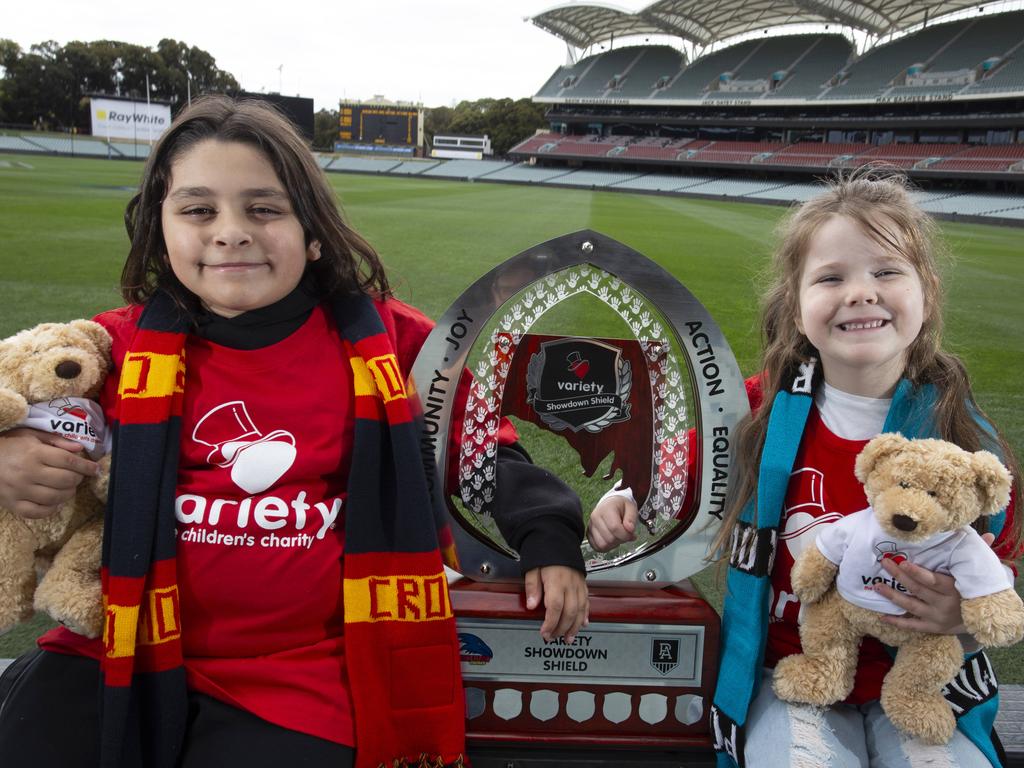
(397, 598)
(148, 374)
(379, 377)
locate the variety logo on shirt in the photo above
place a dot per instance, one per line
(257, 461)
(802, 520)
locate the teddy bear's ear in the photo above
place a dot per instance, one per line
(96, 333)
(881, 447)
(991, 480)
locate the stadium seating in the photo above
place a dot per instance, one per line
(524, 173)
(663, 182)
(69, 146)
(814, 155)
(810, 72)
(465, 169)
(657, 63)
(131, 149)
(537, 141)
(594, 178)
(992, 158)
(17, 144)
(593, 82)
(703, 74)
(773, 55)
(413, 167)
(984, 37)
(735, 151)
(875, 72)
(362, 164)
(903, 155)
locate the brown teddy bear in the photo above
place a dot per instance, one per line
(47, 374)
(924, 494)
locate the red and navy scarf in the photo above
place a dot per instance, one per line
(400, 643)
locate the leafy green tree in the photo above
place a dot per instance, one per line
(506, 122)
(325, 129)
(48, 86)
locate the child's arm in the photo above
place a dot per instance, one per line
(39, 471)
(540, 517)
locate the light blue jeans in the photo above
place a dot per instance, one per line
(841, 736)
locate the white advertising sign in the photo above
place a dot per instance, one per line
(134, 120)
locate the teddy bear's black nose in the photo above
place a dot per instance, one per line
(67, 369)
(904, 523)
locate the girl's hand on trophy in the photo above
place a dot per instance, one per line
(563, 591)
(613, 522)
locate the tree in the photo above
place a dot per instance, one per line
(325, 129)
(506, 122)
(48, 85)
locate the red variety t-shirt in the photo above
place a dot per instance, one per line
(264, 460)
(822, 489)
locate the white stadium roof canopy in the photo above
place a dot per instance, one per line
(705, 22)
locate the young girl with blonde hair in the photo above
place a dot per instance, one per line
(852, 339)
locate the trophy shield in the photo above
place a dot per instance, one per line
(611, 371)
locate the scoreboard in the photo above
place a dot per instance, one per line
(379, 126)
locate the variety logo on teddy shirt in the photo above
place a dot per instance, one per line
(256, 460)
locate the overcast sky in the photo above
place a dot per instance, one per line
(436, 52)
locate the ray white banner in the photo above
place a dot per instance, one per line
(134, 120)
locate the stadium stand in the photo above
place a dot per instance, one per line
(650, 73)
(735, 151)
(875, 72)
(903, 155)
(131, 149)
(465, 169)
(362, 164)
(807, 76)
(594, 178)
(703, 74)
(413, 167)
(524, 173)
(985, 158)
(657, 182)
(17, 144)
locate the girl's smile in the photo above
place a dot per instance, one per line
(231, 235)
(861, 306)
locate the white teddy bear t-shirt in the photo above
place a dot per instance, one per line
(858, 545)
(73, 418)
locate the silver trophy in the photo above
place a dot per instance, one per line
(585, 344)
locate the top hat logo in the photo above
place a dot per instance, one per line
(889, 550)
(577, 364)
(256, 460)
(65, 407)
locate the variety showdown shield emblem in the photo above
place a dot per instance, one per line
(579, 384)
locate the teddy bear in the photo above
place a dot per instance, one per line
(47, 376)
(923, 496)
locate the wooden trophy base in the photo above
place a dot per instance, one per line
(640, 676)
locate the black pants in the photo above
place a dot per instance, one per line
(49, 706)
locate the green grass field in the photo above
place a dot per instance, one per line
(62, 243)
